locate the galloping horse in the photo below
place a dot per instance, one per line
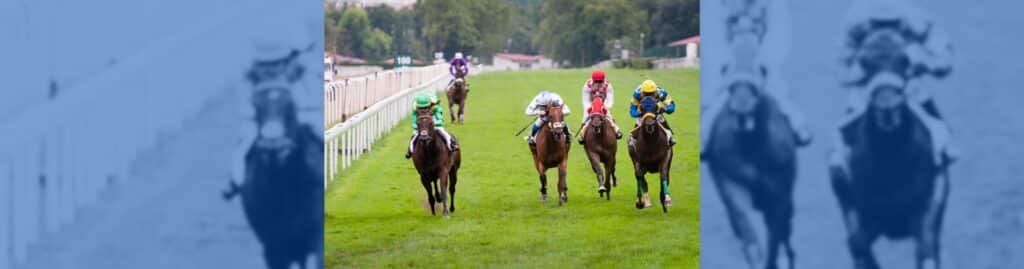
(552, 150)
(651, 153)
(438, 167)
(282, 193)
(752, 158)
(891, 185)
(457, 94)
(600, 145)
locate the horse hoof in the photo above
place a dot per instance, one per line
(543, 197)
(668, 200)
(639, 205)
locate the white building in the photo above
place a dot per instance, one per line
(515, 61)
(687, 54)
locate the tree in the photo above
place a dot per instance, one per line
(354, 29)
(581, 31)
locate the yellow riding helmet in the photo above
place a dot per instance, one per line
(648, 86)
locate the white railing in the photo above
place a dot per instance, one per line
(347, 141)
(345, 98)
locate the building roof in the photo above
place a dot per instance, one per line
(339, 59)
(693, 39)
(519, 58)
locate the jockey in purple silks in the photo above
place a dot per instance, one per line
(459, 68)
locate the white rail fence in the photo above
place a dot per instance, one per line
(344, 98)
(60, 156)
(356, 134)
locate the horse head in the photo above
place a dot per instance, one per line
(596, 117)
(649, 110)
(424, 124)
(460, 83)
(888, 110)
(275, 112)
(744, 101)
(556, 120)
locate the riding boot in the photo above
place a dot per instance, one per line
(568, 135)
(530, 139)
(671, 138)
(408, 153)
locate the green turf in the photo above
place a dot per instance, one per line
(376, 214)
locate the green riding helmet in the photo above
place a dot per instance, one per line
(424, 100)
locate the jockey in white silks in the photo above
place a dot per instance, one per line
(758, 35)
(281, 58)
(895, 39)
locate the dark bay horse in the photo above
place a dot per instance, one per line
(282, 193)
(891, 185)
(752, 158)
(651, 153)
(457, 93)
(552, 150)
(438, 167)
(600, 145)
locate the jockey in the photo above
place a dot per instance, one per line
(665, 103)
(539, 107)
(459, 69)
(893, 37)
(746, 33)
(425, 100)
(597, 86)
(277, 63)
(939, 133)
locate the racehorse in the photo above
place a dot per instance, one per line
(552, 150)
(752, 158)
(891, 184)
(600, 145)
(437, 165)
(457, 93)
(282, 193)
(651, 153)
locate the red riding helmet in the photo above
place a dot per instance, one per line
(597, 75)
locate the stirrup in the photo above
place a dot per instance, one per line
(408, 154)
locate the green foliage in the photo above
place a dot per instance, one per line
(581, 31)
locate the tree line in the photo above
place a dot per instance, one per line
(577, 32)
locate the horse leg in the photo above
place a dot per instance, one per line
(563, 189)
(609, 177)
(610, 166)
(928, 237)
(430, 193)
(543, 182)
(738, 204)
(666, 197)
(454, 178)
(641, 189)
(462, 110)
(777, 219)
(442, 196)
(596, 166)
(450, 105)
(860, 242)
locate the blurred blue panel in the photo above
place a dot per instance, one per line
(135, 136)
(912, 110)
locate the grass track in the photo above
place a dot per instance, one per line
(376, 214)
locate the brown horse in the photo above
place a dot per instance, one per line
(457, 93)
(651, 153)
(600, 144)
(438, 167)
(552, 150)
